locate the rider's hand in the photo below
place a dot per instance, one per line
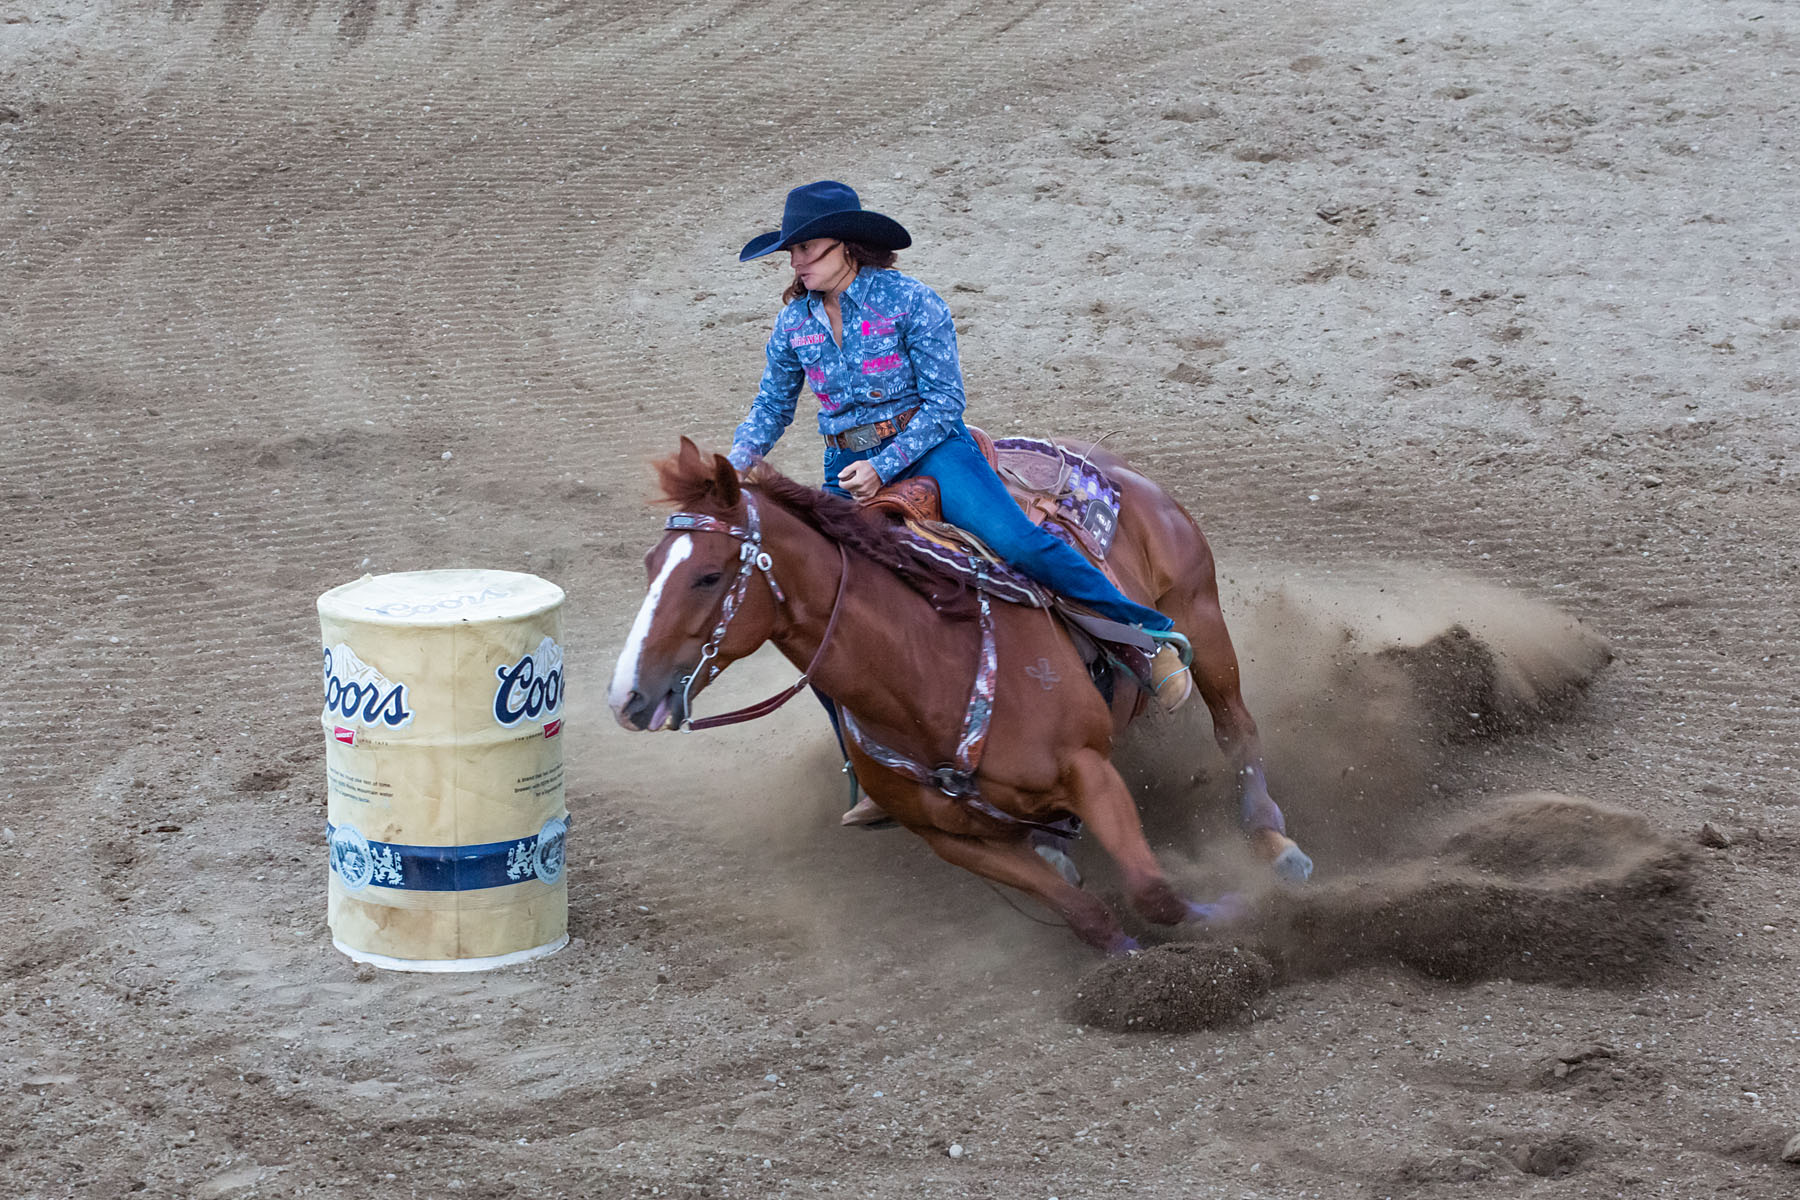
(859, 479)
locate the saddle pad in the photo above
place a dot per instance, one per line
(981, 573)
(1087, 495)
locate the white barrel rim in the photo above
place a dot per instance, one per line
(440, 598)
(442, 966)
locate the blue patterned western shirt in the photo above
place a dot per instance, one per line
(899, 352)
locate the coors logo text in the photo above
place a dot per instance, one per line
(357, 692)
(532, 688)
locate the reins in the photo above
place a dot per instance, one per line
(752, 558)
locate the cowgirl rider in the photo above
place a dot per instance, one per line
(878, 349)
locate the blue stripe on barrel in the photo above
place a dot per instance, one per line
(359, 863)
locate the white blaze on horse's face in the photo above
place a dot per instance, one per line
(625, 675)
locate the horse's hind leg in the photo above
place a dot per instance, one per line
(1195, 607)
(1017, 865)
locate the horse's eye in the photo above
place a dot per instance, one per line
(708, 580)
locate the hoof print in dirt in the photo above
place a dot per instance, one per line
(1553, 1156)
(1572, 1062)
(1453, 1166)
(263, 779)
(1175, 988)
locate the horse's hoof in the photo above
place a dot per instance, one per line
(1293, 865)
(1228, 907)
(1121, 947)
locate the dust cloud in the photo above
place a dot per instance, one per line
(1364, 685)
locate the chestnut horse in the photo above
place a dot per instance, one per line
(758, 557)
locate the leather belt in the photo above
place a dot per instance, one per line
(864, 437)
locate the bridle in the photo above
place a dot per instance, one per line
(751, 559)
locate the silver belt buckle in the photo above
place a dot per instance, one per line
(860, 438)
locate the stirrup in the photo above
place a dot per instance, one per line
(1175, 638)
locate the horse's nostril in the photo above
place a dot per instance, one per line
(631, 710)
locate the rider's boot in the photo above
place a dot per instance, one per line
(864, 812)
(1170, 672)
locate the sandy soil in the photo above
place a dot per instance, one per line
(1495, 300)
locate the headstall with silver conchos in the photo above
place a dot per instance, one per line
(751, 558)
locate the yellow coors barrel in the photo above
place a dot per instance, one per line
(443, 756)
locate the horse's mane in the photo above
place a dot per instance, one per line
(691, 484)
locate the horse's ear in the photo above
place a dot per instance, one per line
(688, 457)
(725, 479)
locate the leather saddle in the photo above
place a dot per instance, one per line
(1033, 480)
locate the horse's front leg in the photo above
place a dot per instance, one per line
(1104, 804)
(1016, 864)
(1216, 675)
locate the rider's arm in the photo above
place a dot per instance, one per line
(929, 338)
(773, 408)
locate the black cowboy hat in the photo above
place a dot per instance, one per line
(828, 209)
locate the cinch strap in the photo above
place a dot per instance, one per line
(956, 778)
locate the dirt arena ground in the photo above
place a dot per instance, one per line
(1438, 312)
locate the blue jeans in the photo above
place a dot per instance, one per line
(974, 499)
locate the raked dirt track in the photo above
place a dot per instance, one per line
(1489, 298)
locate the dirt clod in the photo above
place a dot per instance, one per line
(1175, 988)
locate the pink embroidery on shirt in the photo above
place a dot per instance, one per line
(878, 327)
(816, 377)
(875, 366)
(806, 339)
(826, 403)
